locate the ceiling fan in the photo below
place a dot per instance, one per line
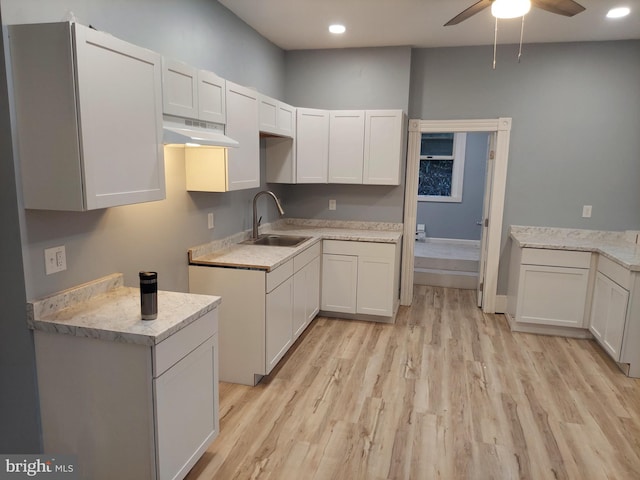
(568, 8)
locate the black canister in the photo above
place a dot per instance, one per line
(149, 295)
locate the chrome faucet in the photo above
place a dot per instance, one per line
(254, 232)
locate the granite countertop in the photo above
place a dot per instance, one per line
(231, 253)
(105, 309)
(619, 247)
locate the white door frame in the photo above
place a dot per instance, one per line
(502, 127)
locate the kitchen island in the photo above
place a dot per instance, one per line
(131, 398)
(580, 283)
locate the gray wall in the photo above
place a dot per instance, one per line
(155, 235)
(458, 220)
(19, 415)
(129, 238)
(574, 140)
(355, 78)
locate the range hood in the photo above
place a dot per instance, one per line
(182, 131)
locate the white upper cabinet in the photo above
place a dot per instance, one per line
(338, 146)
(383, 148)
(191, 93)
(242, 125)
(89, 118)
(346, 146)
(312, 144)
(276, 117)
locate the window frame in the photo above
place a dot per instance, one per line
(457, 174)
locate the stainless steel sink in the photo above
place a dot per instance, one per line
(277, 240)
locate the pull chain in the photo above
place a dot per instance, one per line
(521, 37)
(495, 42)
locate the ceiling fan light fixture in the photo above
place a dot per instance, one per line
(618, 12)
(510, 8)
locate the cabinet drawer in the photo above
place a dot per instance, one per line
(279, 275)
(369, 249)
(614, 271)
(305, 257)
(556, 258)
(171, 350)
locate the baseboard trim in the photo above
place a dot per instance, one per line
(457, 241)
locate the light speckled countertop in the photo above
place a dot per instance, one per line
(230, 253)
(107, 310)
(619, 247)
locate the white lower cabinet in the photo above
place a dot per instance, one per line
(306, 295)
(360, 278)
(262, 313)
(548, 288)
(130, 410)
(278, 323)
(609, 307)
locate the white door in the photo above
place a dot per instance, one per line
(279, 323)
(375, 286)
(212, 104)
(179, 89)
(488, 183)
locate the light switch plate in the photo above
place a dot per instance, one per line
(210, 221)
(586, 211)
(55, 260)
(332, 204)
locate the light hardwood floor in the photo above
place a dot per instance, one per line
(446, 393)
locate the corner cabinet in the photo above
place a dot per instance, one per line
(277, 118)
(262, 313)
(89, 118)
(191, 93)
(130, 410)
(360, 279)
(549, 291)
(609, 307)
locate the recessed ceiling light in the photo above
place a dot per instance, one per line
(618, 12)
(337, 28)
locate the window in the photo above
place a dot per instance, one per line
(441, 167)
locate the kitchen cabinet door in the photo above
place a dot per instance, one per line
(339, 283)
(187, 423)
(278, 323)
(89, 115)
(609, 314)
(312, 145)
(306, 296)
(211, 97)
(243, 170)
(552, 295)
(383, 147)
(179, 89)
(346, 146)
(375, 284)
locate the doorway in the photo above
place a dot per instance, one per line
(493, 204)
(452, 172)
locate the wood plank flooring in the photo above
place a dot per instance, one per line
(446, 393)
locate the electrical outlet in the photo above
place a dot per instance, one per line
(55, 260)
(421, 227)
(210, 221)
(332, 204)
(586, 211)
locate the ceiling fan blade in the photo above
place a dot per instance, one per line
(469, 12)
(568, 8)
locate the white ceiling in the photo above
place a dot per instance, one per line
(302, 24)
